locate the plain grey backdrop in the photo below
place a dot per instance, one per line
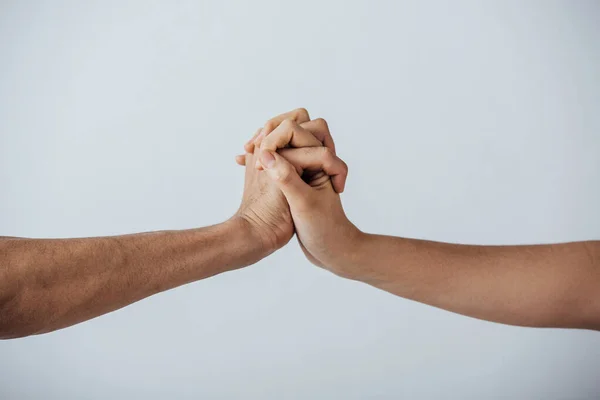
(472, 122)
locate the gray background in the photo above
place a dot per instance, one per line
(472, 122)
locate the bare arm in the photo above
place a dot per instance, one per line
(48, 284)
(555, 285)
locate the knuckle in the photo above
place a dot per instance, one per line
(301, 113)
(327, 154)
(270, 125)
(322, 124)
(288, 124)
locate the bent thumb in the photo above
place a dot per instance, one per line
(285, 177)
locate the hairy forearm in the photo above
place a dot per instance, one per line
(554, 285)
(48, 284)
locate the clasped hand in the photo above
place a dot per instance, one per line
(292, 184)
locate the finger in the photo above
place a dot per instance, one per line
(299, 115)
(296, 191)
(249, 146)
(289, 133)
(320, 129)
(257, 163)
(241, 159)
(319, 158)
(259, 166)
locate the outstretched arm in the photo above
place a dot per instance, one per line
(556, 285)
(48, 284)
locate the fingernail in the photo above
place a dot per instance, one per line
(267, 159)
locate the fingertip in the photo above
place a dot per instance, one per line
(343, 182)
(240, 159)
(338, 183)
(249, 147)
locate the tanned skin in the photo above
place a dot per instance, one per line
(48, 284)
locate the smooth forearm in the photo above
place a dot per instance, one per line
(48, 284)
(541, 285)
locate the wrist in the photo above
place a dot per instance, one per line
(245, 237)
(346, 262)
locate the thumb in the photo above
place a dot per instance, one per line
(285, 176)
